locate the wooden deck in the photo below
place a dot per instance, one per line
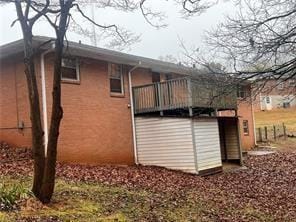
(183, 93)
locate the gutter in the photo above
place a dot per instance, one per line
(132, 110)
(43, 96)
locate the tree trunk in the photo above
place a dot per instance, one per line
(44, 168)
(37, 131)
(57, 111)
(35, 116)
(56, 116)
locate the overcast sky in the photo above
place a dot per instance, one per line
(154, 43)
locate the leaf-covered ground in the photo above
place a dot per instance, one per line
(264, 191)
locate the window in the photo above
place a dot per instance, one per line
(242, 92)
(267, 100)
(70, 70)
(246, 127)
(155, 77)
(116, 78)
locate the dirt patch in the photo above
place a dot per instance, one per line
(280, 145)
(288, 145)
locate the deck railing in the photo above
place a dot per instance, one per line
(182, 93)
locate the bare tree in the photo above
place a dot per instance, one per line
(257, 44)
(44, 168)
(262, 33)
(37, 131)
(59, 14)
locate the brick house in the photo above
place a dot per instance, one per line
(275, 94)
(125, 109)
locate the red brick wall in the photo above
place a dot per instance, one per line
(14, 105)
(96, 127)
(272, 87)
(141, 76)
(256, 104)
(245, 113)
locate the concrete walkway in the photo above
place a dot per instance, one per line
(260, 152)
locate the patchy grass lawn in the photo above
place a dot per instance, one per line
(264, 191)
(277, 117)
(89, 201)
(83, 201)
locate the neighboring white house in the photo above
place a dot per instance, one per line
(276, 94)
(270, 102)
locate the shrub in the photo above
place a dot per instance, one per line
(11, 194)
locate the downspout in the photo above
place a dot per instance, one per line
(254, 123)
(16, 100)
(132, 110)
(43, 96)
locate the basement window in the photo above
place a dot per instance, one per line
(70, 70)
(246, 127)
(116, 79)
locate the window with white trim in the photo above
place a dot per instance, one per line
(267, 100)
(70, 70)
(246, 127)
(116, 78)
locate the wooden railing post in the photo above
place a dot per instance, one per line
(265, 132)
(183, 93)
(274, 132)
(189, 88)
(135, 100)
(284, 130)
(160, 102)
(260, 134)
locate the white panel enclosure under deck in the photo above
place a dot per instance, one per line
(207, 143)
(188, 144)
